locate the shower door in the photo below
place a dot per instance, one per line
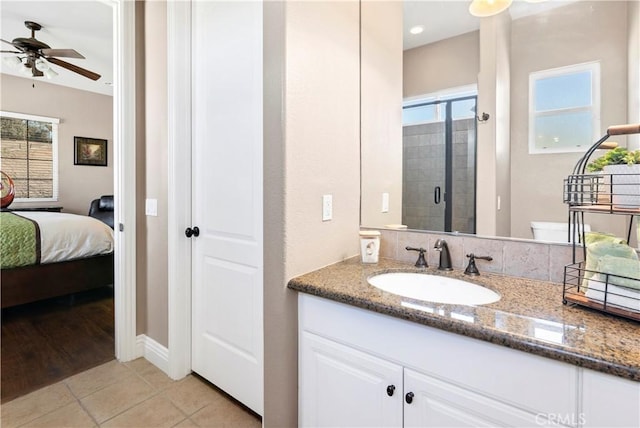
(439, 165)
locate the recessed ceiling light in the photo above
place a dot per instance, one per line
(417, 29)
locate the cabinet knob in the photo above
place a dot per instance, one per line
(390, 390)
(409, 397)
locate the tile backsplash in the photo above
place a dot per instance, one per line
(513, 257)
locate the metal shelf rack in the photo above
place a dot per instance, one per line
(617, 194)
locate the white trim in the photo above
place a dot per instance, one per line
(592, 67)
(152, 351)
(179, 186)
(124, 123)
(29, 116)
(455, 92)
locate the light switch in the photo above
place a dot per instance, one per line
(327, 207)
(151, 207)
(385, 202)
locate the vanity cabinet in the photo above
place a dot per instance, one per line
(357, 368)
(340, 386)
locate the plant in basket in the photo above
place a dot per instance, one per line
(622, 172)
(617, 156)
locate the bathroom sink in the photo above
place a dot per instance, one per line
(434, 288)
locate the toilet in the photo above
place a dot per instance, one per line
(552, 231)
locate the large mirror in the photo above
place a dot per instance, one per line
(451, 169)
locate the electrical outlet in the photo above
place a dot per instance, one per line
(151, 207)
(385, 202)
(327, 207)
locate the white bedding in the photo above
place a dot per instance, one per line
(70, 236)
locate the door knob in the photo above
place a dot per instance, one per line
(409, 397)
(390, 390)
(189, 232)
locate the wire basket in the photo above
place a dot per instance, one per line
(609, 293)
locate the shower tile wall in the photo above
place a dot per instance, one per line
(464, 175)
(424, 168)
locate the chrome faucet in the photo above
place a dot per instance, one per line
(422, 262)
(445, 257)
(472, 269)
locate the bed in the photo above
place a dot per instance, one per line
(51, 254)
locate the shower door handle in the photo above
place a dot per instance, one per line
(436, 195)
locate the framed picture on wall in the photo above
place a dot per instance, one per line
(90, 151)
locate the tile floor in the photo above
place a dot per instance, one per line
(126, 395)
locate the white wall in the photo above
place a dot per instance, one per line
(81, 114)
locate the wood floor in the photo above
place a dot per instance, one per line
(45, 342)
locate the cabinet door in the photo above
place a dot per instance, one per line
(435, 403)
(609, 401)
(343, 387)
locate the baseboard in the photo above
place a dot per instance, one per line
(152, 351)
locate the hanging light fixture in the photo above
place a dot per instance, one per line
(12, 61)
(484, 8)
(42, 65)
(49, 73)
(25, 69)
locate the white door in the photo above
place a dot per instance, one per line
(343, 387)
(227, 197)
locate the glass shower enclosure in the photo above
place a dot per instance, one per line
(439, 165)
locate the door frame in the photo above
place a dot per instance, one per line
(124, 127)
(179, 187)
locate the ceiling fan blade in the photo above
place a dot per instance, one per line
(84, 72)
(13, 52)
(66, 53)
(9, 43)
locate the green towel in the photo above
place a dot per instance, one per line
(593, 237)
(601, 248)
(618, 267)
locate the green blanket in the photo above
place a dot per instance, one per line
(19, 241)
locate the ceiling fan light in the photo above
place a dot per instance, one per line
(484, 8)
(49, 73)
(42, 65)
(12, 61)
(25, 70)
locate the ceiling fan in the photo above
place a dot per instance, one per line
(35, 55)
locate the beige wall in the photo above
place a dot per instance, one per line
(322, 132)
(493, 135)
(152, 274)
(581, 32)
(152, 312)
(441, 65)
(381, 111)
(311, 148)
(633, 113)
(82, 114)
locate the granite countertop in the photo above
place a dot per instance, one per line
(529, 317)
